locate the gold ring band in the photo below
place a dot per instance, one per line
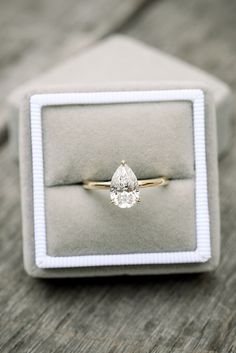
(124, 186)
(145, 183)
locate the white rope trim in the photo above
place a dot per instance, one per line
(203, 248)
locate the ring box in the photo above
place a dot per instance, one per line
(122, 59)
(74, 134)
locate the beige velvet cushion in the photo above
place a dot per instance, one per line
(96, 138)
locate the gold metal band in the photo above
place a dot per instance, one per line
(146, 183)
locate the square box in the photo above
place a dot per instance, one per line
(197, 250)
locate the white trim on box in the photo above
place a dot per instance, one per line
(202, 253)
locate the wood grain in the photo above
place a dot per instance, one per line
(182, 313)
(36, 34)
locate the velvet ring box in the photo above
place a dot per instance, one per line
(83, 133)
(123, 59)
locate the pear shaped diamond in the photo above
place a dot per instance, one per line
(124, 188)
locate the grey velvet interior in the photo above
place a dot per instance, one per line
(88, 142)
(84, 222)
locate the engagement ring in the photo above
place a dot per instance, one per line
(124, 186)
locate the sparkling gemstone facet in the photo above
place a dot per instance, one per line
(124, 189)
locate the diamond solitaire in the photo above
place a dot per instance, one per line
(124, 186)
(124, 189)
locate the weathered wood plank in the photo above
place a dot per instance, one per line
(200, 32)
(35, 35)
(187, 313)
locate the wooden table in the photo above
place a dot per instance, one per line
(182, 313)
